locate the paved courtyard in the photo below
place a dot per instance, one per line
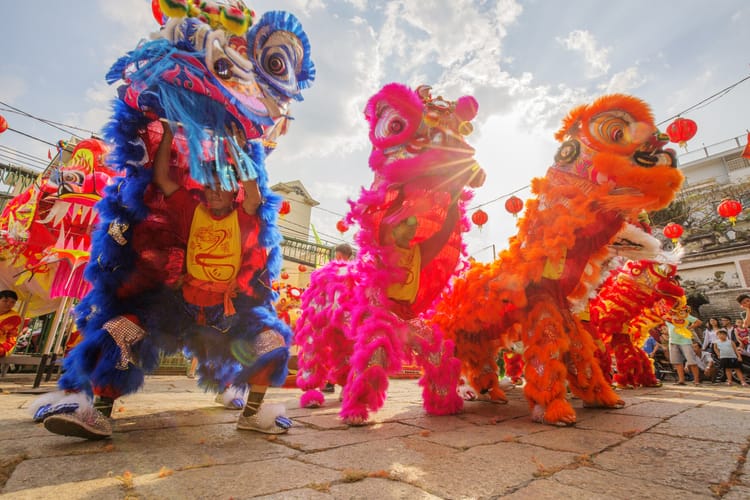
(172, 441)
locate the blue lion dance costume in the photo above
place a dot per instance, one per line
(206, 77)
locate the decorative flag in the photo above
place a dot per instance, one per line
(315, 234)
(746, 151)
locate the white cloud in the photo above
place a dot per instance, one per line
(11, 88)
(335, 190)
(357, 4)
(299, 7)
(127, 13)
(595, 57)
(624, 81)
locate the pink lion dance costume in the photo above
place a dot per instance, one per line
(361, 319)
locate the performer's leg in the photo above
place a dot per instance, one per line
(324, 347)
(106, 359)
(441, 370)
(265, 419)
(634, 369)
(584, 374)
(264, 363)
(377, 351)
(312, 363)
(546, 343)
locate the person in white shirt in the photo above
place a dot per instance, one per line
(705, 362)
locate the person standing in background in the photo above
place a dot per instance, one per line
(729, 355)
(681, 324)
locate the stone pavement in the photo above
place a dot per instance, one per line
(172, 441)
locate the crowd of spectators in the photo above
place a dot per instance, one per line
(720, 350)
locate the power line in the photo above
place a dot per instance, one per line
(23, 156)
(718, 95)
(330, 239)
(10, 158)
(330, 212)
(46, 122)
(31, 137)
(506, 195)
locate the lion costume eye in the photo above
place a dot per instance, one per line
(611, 128)
(389, 124)
(276, 65)
(278, 59)
(223, 68)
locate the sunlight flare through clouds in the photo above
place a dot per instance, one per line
(584, 42)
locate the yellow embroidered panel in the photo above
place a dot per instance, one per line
(215, 247)
(409, 259)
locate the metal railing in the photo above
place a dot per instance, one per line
(712, 149)
(304, 252)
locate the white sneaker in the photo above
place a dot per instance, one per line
(269, 420)
(233, 398)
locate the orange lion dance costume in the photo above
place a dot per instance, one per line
(609, 167)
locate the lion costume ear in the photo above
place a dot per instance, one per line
(280, 52)
(571, 123)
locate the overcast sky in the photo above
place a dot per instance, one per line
(527, 63)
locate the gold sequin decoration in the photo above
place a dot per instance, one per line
(125, 333)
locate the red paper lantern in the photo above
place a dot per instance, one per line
(673, 231)
(342, 226)
(285, 208)
(479, 218)
(682, 130)
(730, 209)
(514, 204)
(284, 275)
(302, 268)
(3, 124)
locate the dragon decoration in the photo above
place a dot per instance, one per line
(610, 166)
(209, 75)
(46, 230)
(353, 331)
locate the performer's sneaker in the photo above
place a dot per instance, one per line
(233, 404)
(104, 405)
(88, 424)
(269, 420)
(280, 425)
